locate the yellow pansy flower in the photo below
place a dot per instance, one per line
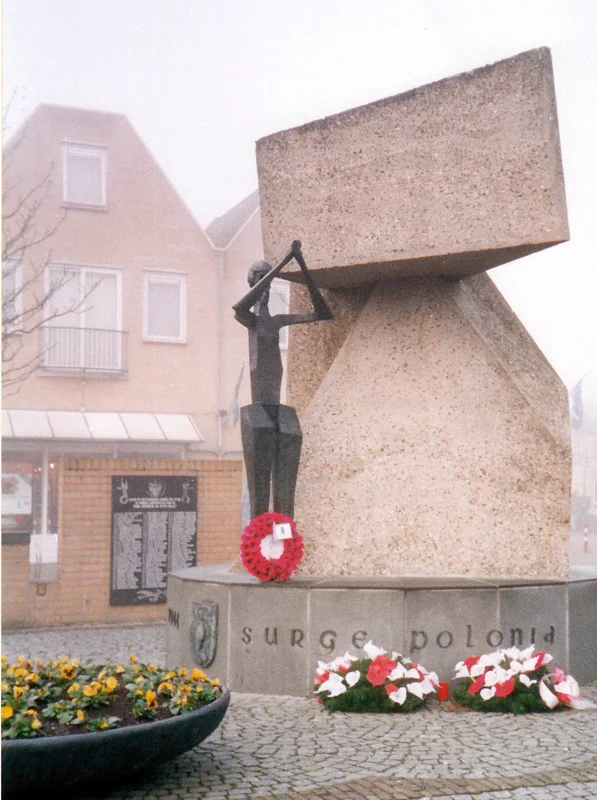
(73, 688)
(110, 684)
(36, 724)
(31, 677)
(165, 686)
(91, 689)
(7, 712)
(17, 691)
(120, 669)
(20, 672)
(68, 671)
(215, 682)
(104, 724)
(198, 675)
(133, 659)
(151, 699)
(80, 715)
(182, 672)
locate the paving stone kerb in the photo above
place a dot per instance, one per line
(448, 179)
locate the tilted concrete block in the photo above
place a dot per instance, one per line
(449, 179)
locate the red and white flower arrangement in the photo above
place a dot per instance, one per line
(378, 682)
(516, 681)
(267, 557)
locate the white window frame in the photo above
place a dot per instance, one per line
(91, 151)
(82, 270)
(171, 278)
(18, 290)
(282, 288)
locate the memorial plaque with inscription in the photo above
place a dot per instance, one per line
(154, 532)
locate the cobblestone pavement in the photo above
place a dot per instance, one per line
(290, 748)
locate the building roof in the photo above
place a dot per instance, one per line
(222, 230)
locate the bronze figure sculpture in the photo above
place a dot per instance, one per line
(271, 433)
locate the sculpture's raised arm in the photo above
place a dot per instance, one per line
(242, 309)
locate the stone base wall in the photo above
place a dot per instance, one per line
(271, 636)
(80, 595)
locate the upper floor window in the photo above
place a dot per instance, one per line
(165, 307)
(84, 175)
(279, 303)
(83, 312)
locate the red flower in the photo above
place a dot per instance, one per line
(505, 688)
(321, 678)
(476, 685)
(471, 661)
(390, 687)
(380, 669)
(539, 659)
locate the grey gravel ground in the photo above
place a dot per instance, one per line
(285, 747)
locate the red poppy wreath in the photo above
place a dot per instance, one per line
(265, 556)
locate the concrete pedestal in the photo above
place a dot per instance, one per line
(269, 637)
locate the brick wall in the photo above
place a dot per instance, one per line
(81, 594)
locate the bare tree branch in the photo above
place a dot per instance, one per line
(26, 295)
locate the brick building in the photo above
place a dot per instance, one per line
(131, 370)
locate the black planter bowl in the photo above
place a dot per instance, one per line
(103, 758)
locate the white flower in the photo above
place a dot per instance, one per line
(398, 672)
(529, 664)
(527, 653)
(432, 676)
(372, 651)
(547, 696)
(416, 689)
(487, 694)
(352, 677)
(525, 680)
(334, 685)
(342, 662)
(413, 673)
(478, 669)
(515, 667)
(512, 653)
(569, 687)
(462, 670)
(399, 696)
(491, 677)
(322, 668)
(427, 686)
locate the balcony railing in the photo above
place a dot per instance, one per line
(84, 349)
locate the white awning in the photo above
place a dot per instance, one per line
(104, 426)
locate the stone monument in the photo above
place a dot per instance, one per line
(433, 493)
